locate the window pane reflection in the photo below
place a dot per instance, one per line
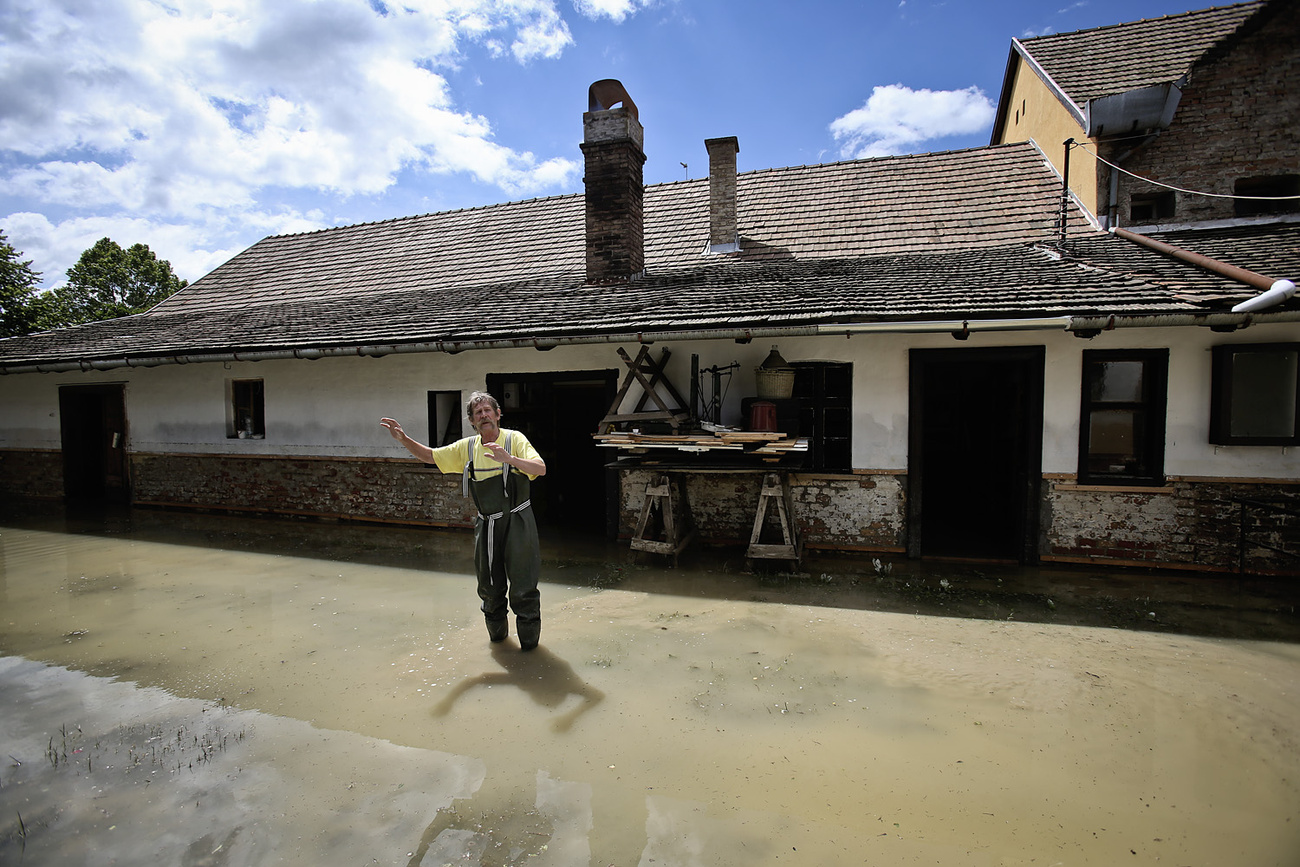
(1113, 436)
(1118, 382)
(1263, 394)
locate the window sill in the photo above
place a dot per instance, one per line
(1162, 488)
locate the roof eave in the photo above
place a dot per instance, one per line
(1004, 98)
(1082, 325)
(1061, 96)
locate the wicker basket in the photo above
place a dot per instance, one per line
(775, 384)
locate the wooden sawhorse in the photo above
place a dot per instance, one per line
(776, 489)
(665, 494)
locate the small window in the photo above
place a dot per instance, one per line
(824, 392)
(1122, 422)
(247, 419)
(1268, 195)
(1151, 207)
(1255, 394)
(445, 415)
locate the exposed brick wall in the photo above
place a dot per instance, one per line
(722, 189)
(31, 473)
(1237, 118)
(1196, 524)
(386, 490)
(859, 512)
(613, 161)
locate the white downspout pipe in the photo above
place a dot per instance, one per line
(1275, 294)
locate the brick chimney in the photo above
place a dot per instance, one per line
(724, 236)
(612, 142)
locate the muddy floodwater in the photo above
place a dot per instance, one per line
(208, 690)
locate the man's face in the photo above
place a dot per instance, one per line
(485, 418)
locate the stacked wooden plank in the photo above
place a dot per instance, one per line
(772, 445)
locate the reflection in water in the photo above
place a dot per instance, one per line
(326, 694)
(547, 679)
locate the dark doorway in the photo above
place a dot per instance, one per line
(975, 453)
(559, 412)
(92, 422)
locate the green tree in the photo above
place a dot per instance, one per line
(108, 282)
(21, 305)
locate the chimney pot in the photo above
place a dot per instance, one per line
(612, 147)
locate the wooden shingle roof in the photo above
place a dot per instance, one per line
(1105, 61)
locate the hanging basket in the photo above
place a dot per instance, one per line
(775, 384)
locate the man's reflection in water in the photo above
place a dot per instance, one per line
(546, 678)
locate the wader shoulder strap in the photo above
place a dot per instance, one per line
(469, 468)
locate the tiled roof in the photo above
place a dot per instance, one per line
(893, 205)
(964, 235)
(1104, 61)
(1271, 249)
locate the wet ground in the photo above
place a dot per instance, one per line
(208, 690)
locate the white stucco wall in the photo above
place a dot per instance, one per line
(331, 407)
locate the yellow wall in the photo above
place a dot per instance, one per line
(1034, 112)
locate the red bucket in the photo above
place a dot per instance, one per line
(762, 415)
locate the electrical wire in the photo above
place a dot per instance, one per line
(1102, 159)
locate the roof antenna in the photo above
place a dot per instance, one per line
(1065, 191)
(688, 170)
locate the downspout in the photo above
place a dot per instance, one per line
(1112, 207)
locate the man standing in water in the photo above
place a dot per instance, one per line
(498, 466)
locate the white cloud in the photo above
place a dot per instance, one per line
(56, 247)
(174, 119)
(615, 10)
(895, 119)
(326, 95)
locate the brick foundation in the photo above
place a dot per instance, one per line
(1191, 524)
(380, 490)
(31, 474)
(843, 512)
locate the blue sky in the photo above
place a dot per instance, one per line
(200, 126)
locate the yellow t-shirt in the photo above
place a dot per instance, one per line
(452, 458)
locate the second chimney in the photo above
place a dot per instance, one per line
(612, 142)
(724, 236)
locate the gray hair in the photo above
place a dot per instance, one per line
(478, 397)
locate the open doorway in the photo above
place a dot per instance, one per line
(559, 412)
(975, 453)
(92, 422)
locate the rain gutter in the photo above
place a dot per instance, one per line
(1082, 325)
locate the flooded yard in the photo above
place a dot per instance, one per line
(210, 690)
